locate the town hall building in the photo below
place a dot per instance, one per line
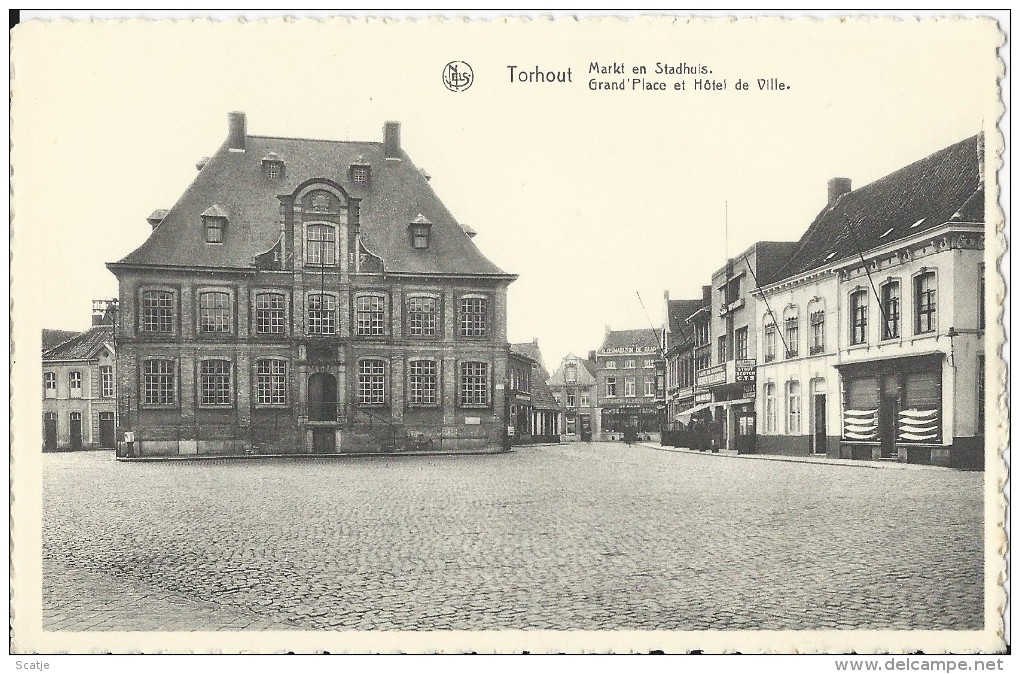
(310, 296)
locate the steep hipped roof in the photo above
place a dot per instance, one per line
(50, 338)
(83, 346)
(943, 187)
(235, 182)
(642, 338)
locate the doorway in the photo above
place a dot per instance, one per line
(819, 432)
(50, 437)
(107, 431)
(76, 434)
(322, 397)
(745, 432)
(887, 411)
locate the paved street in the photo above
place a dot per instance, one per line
(592, 537)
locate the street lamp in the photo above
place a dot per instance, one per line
(952, 356)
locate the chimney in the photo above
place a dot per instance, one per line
(706, 295)
(609, 328)
(591, 355)
(981, 156)
(391, 138)
(837, 188)
(238, 131)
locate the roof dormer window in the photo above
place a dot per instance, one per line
(360, 173)
(272, 166)
(214, 220)
(421, 230)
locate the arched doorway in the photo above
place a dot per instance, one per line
(322, 397)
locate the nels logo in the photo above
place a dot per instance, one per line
(458, 76)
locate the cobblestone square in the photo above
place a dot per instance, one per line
(587, 537)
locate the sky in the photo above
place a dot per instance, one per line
(593, 198)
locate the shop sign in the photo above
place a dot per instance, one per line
(746, 370)
(750, 391)
(712, 376)
(702, 397)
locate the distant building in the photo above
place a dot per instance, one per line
(874, 345)
(629, 373)
(80, 387)
(310, 296)
(574, 386)
(534, 410)
(680, 338)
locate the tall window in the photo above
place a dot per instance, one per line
(817, 319)
(106, 381)
(859, 317)
(270, 313)
(473, 317)
(630, 387)
(649, 387)
(157, 311)
(891, 310)
(159, 382)
(770, 407)
(571, 399)
(271, 382)
(585, 399)
(423, 382)
(610, 387)
(321, 246)
(371, 315)
(421, 316)
(769, 340)
(214, 312)
(925, 303)
(50, 384)
(371, 382)
(792, 327)
(722, 348)
(74, 383)
(214, 382)
(571, 374)
(321, 315)
(474, 383)
(740, 343)
(793, 407)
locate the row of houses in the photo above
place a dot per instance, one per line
(864, 339)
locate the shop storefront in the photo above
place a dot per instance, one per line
(892, 409)
(730, 415)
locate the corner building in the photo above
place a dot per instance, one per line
(310, 296)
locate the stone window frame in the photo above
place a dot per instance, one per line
(286, 381)
(336, 311)
(437, 328)
(771, 420)
(486, 388)
(231, 294)
(217, 224)
(437, 385)
(71, 388)
(888, 283)
(326, 226)
(915, 279)
(104, 391)
(175, 374)
(261, 291)
(816, 317)
(231, 382)
(359, 385)
(384, 321)
(645, 386)
(769, 335)
(174, 316)
(49, 376)
(630, 364)
(853, 305)
(793, 407)
(791, 330)
(482, 327)
(610, 364)
(610, 381)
